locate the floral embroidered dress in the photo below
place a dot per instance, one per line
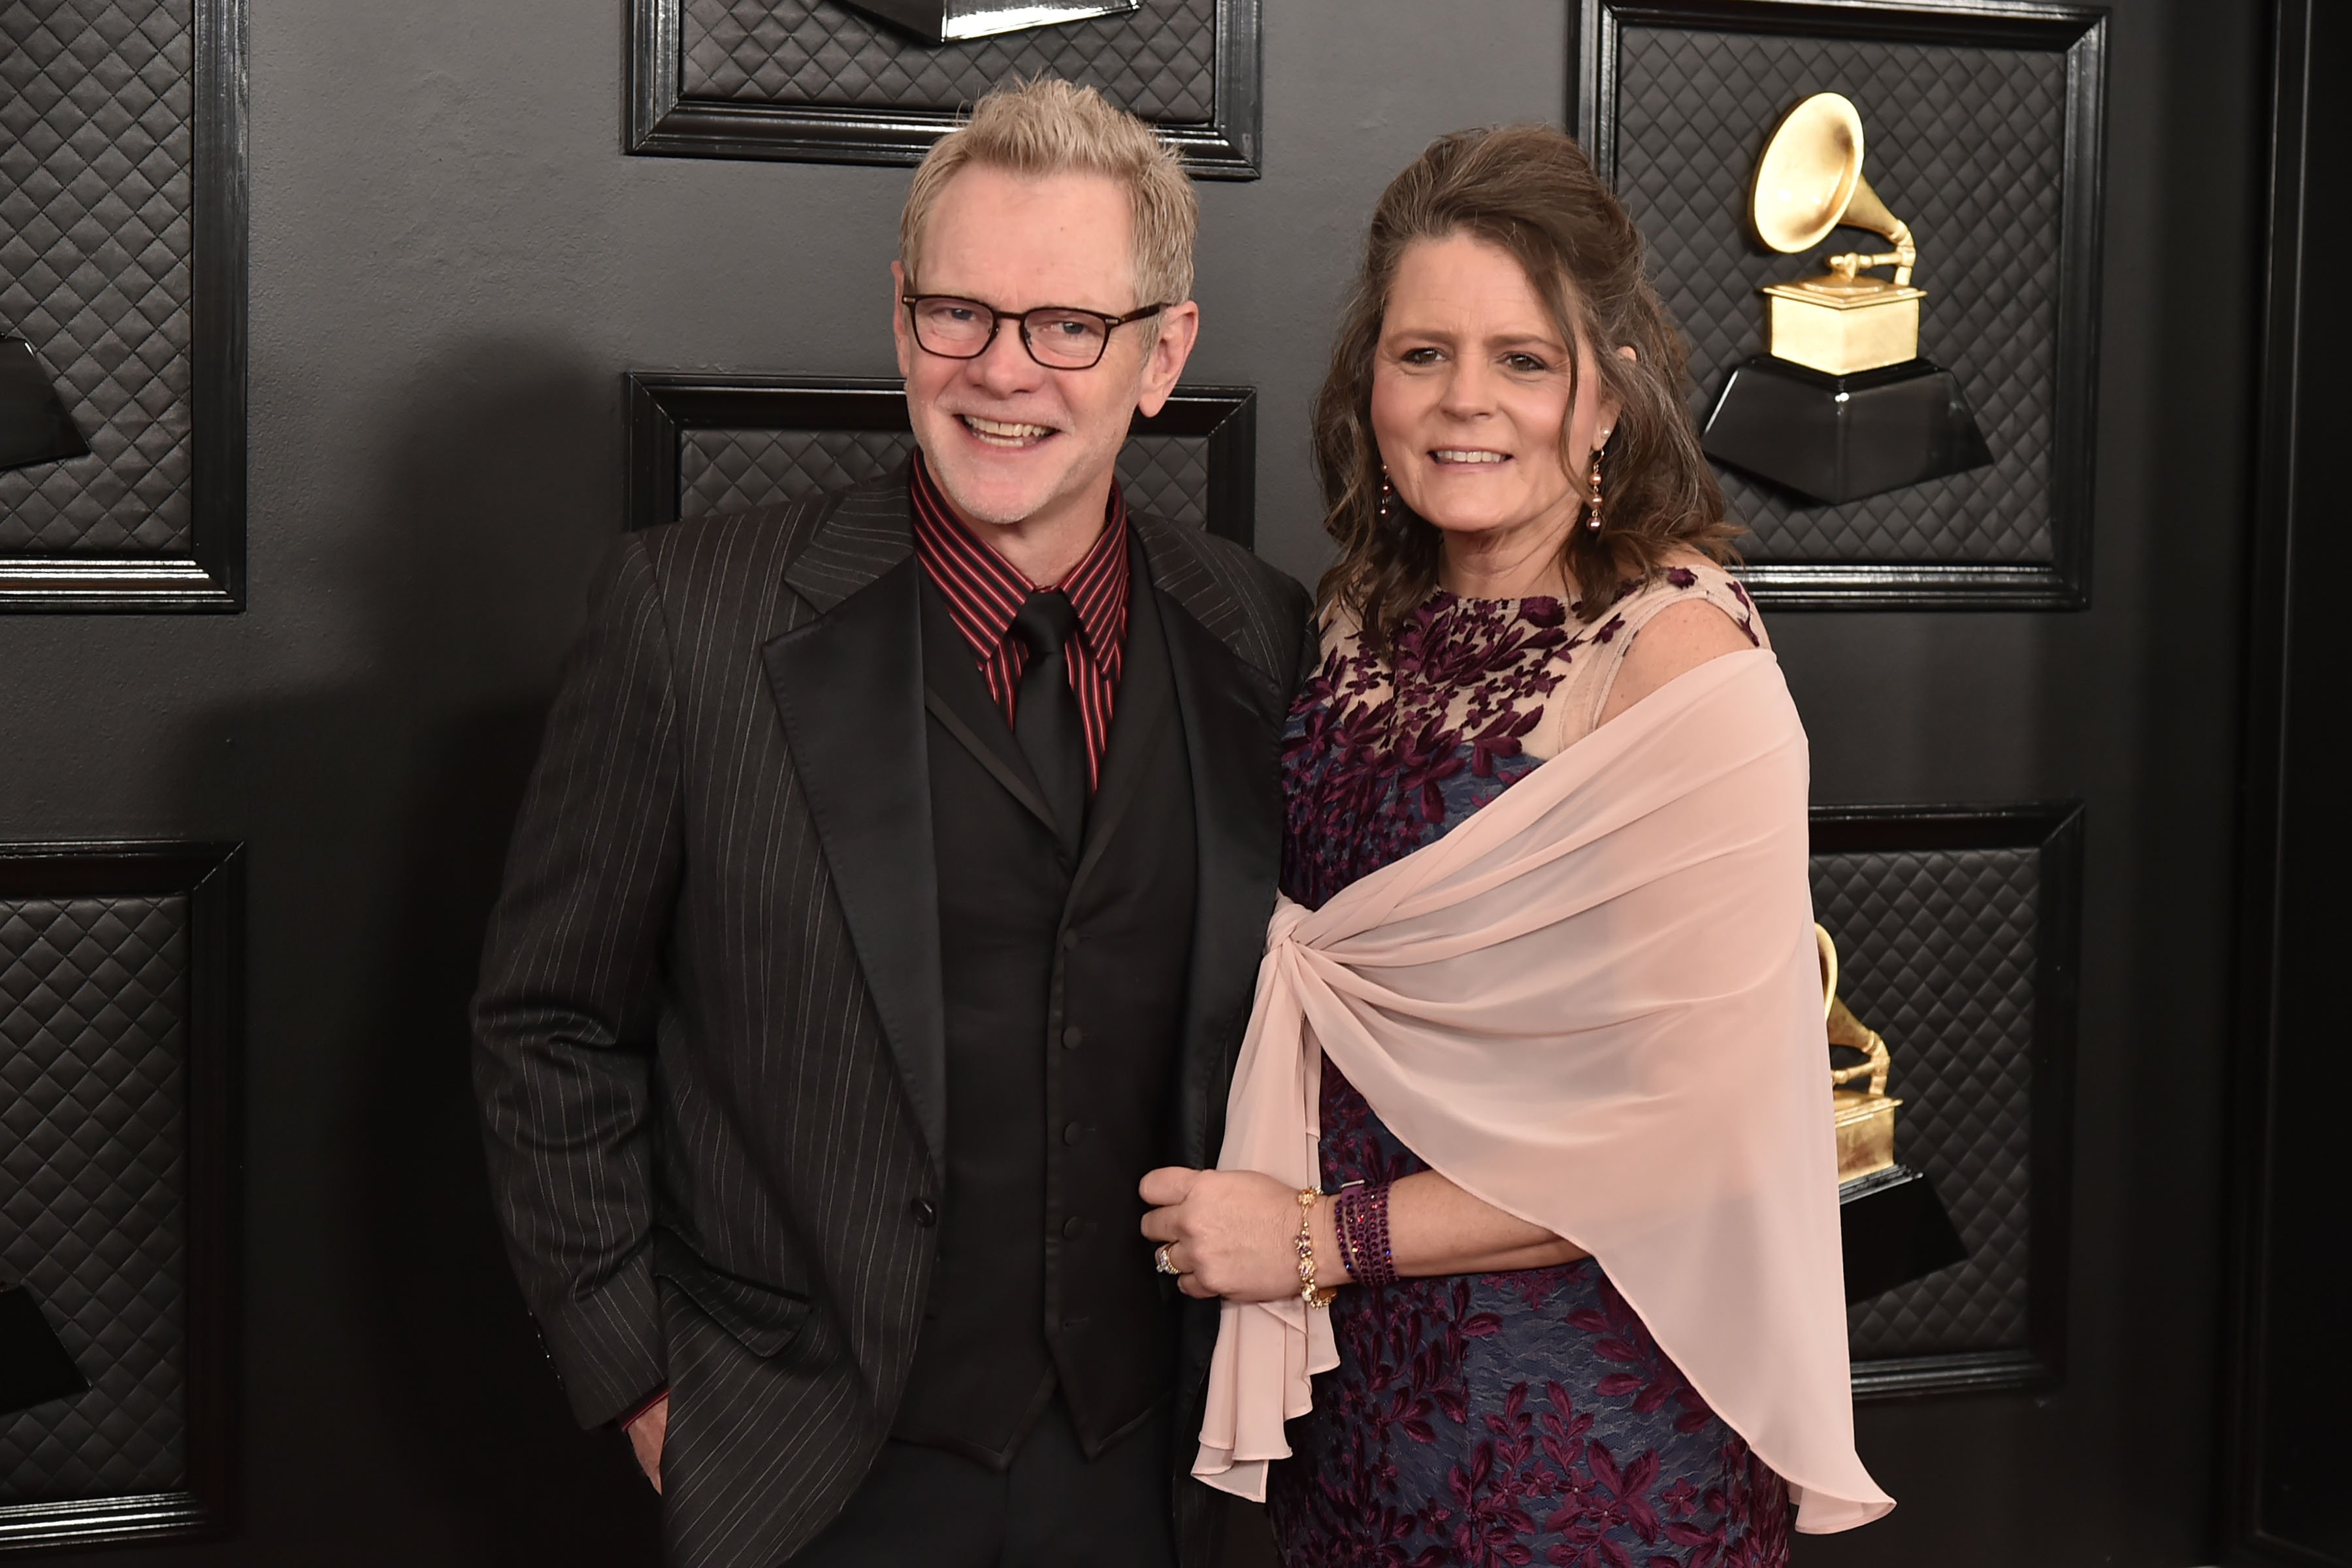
(1514, 1418)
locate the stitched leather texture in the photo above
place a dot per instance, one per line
(1167, 475)
(1936, 953)
(1966, 146)
(1158, 63)
(732, 470)
(93, 1040)
(96, 103)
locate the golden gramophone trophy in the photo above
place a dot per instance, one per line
(1895, 1228)
(1843, 407)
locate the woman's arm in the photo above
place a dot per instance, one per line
(1435, 1228)
(1235, 1232)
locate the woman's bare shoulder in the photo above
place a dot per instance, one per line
(1690, 630)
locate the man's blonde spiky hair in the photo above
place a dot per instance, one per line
(1054, 127)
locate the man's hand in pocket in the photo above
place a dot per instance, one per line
(647, 1431)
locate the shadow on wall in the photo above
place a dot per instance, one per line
(378, 816)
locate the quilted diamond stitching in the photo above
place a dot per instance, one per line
(726, 470)
(93, 1003)
(1937, 951)
(1158, 63)
(1967, 144)
(95, 189)
(1167, 475)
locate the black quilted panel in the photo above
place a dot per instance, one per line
(1159, 63)
(1936, 953)
(93, 1040)
(726, 470)
(95, 151)
(1167, 475)
(1965, 144)
(723, 471)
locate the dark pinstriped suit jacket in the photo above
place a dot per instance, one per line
(710, 1045)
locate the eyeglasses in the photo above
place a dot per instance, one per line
(1059, 337)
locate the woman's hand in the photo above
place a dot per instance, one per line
(1234, 1234)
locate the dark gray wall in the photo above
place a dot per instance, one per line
(453, 263)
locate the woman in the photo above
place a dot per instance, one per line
(1529, 1151)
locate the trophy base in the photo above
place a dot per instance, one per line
(1841, 437)
(33, 425)
(1865, 1131)
(34, 1367)
(954, 21)
(1843, 326)
(1896, 1230)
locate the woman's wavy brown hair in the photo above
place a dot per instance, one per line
(1531, 191)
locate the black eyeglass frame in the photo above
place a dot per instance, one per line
(996, 318)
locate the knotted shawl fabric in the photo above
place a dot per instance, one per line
(1597, 1005)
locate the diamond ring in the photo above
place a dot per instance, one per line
(1167, 1265)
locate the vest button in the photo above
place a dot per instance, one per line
(926, 1213)
(1070, 941)
(1073, 1132)
(1071, 1227)
(1071, 1037)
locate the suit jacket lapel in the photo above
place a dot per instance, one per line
(849, 685)
(1232, 713)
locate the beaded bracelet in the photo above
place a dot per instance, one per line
(1343, 1225)
(1361, 1217)
(1308, 1291)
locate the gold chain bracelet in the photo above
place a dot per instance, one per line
(1306, 1290)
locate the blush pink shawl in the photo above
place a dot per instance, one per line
(1595, 1004)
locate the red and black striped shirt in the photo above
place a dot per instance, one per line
(985, 592)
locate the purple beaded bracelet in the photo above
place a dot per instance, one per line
(1343, 1207)
(1361, 1215)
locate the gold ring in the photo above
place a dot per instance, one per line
(1167, 1265)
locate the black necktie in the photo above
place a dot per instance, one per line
(1046, 714)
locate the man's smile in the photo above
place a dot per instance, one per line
(1006, 434)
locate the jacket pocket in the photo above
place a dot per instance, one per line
(766, 1320)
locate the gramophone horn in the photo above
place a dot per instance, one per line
(1864, 210)
(1808, 175)
(1809, 181)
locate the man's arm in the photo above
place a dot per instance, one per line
(564, 1022)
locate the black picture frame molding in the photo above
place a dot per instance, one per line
(2054, 830)
(211, 876)
(210, 577)
(2062, 583)
(663, 406)
(663, 122)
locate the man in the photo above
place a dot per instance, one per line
(886, 901)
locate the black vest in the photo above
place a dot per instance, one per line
(1065, 993)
